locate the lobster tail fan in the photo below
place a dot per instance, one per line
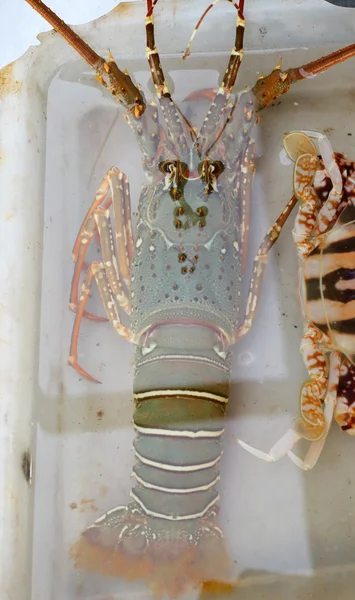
(170, 560)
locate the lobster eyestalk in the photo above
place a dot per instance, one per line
(118, 83)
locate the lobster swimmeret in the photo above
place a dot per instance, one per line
(180, 280)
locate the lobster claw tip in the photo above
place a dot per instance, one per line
(81, 371)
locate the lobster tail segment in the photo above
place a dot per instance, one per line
(168, 534)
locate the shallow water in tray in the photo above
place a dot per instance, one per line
(277, 520)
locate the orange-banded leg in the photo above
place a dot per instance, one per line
(112, 274)
(314, 218)
(304, 172)
(113, 191)
(259, 265)
(328, 210)
(317, 404)
(97, 271)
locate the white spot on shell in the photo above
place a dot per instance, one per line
(139, 242)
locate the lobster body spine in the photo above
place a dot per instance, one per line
(180, 421)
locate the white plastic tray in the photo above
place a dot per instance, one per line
(58, 136)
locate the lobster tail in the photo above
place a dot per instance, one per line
(168, 561)
(168, 534)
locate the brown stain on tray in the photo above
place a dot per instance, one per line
(217, 587)
(8, 84)
(124, 9)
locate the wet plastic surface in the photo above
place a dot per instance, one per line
(276, 519)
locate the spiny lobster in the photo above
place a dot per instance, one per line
(180, 280)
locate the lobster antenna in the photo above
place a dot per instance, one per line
(116, 81)
(228, 119)
(160, 83)
(239, 8)
(75, 41)
(221, 99)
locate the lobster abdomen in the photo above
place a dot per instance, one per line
(168, 534)
(179, 422)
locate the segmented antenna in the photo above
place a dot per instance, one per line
(239, 7)
(87, 53)
(118, 82)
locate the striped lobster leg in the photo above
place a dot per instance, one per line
(112, 273)
(259, 266)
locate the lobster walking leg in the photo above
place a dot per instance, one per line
(113, 191)
(95, 271)
(112, 274)
(87, 232)
(260, 262)
(242, 195)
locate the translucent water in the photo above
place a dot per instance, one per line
(277, 519)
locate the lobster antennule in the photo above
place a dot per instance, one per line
(239, 7)
(219, 111)
(237, 54)
(172, 114)
(118, 83)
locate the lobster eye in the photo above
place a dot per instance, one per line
(218, 167)
(167, 166)
(214, 168)
(185, 171)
